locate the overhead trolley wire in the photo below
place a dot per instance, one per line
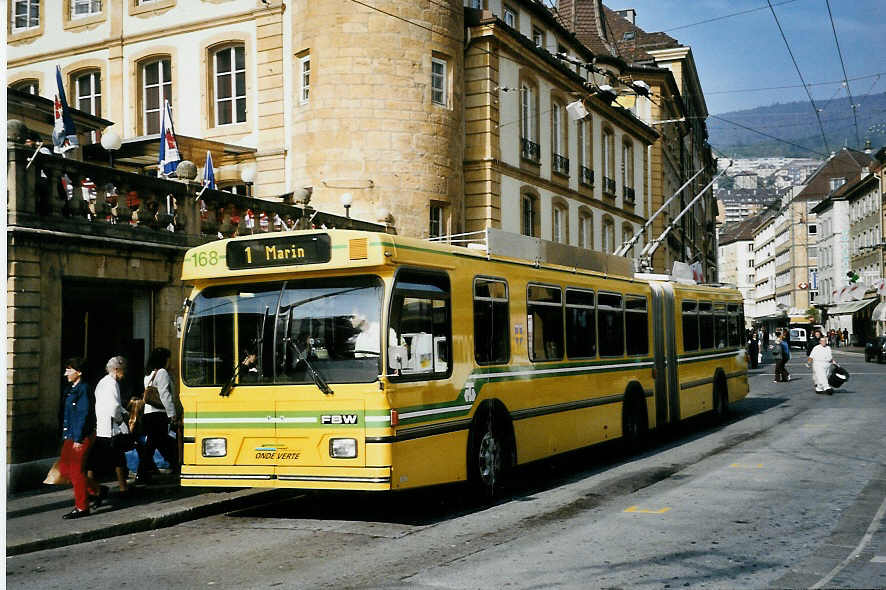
(852, 104)
(797, 67)
(725, 16)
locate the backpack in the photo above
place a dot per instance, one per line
(776, 351)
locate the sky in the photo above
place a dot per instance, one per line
(747, 51)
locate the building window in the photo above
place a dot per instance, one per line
(510, 17)
(156, 87)
(529, 149)
(436, 224)
(439, 77)
(627, 165)
(629, 36)
(88, 89)
(82, 8)
(529, 215)
(476, 4)
(837, 183)
(608, 235)
(813, 229)
(538, 37)
(26, 15)
(560, 163)
(608, 161)
(585, 230)
(560, 223)
(305, 79)
(30, 86)
(627, 232)
(230, 85)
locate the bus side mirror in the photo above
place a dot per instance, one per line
(396, 357)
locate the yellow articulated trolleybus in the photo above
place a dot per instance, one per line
(352, 360)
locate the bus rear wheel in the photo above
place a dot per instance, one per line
(488, 458)
(634, 425)
(721, 400)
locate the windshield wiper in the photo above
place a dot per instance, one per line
(251, 359)
(315, 375)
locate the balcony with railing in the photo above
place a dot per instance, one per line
(530, 151)
(629, 195)
(609, 186)
(586, 176)
(560, 164)
(52, 195)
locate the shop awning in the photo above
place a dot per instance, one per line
(879, 313)
(851, 307)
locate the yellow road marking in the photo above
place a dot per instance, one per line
(747, 465)
(646, 510)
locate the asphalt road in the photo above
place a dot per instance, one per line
(789, 492)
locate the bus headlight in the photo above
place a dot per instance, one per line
(343, 448)
(215, 447)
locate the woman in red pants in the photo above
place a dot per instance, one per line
(78, 436)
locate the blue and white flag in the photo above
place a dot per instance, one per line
(169, 156)
(64, 136)
(208, 172)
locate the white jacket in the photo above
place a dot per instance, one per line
(163, 383)
(108, 409)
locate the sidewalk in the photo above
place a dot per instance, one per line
(34, 519)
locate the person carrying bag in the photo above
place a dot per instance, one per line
(160, 416)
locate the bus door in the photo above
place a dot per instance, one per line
(667, 392)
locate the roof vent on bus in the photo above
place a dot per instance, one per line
(359, 248)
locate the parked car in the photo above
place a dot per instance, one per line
(875, 349)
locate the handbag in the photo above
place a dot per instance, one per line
(136, 415)
(152, 395)
(122, 440)
(55, 477)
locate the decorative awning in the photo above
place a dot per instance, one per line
(879, 313)
(851, 307)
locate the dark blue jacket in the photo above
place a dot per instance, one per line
(79, 417)
(787, 350)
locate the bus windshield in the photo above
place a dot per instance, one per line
(282, 331)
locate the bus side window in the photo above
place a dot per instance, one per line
(544, 323)
(420, 321)
(637, 326)
(721, 325)
(581, 328)
(690, 325)
(610, 324)
(706, 324)
(736, 325)
(491, 321)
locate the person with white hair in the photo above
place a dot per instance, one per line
(109, 422)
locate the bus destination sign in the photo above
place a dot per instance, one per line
(279, 251)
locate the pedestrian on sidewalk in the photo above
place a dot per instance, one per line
(109, 423)
(78, 435)
(845, 337)
(159, 421)
(821, 359)
(753, 351)
(782, 354)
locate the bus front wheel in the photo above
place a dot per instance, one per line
(489, 457)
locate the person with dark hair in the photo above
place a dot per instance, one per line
(158, 420)
(78, 435)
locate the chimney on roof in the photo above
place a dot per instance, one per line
(628, 14)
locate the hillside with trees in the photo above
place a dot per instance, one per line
(795, 124)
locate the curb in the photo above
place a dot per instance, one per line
(170, 518)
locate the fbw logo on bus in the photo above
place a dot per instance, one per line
(339, 419)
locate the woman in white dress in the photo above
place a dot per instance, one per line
(821, 358)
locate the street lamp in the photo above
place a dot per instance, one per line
(111, 142)
(346, 200)
(247, 175)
